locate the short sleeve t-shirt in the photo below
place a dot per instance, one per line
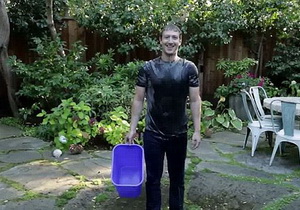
(167, 87)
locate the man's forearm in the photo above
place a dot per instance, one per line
(136, 109)
(196, 114)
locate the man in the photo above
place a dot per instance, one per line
(166, 82)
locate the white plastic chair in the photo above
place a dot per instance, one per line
(289, 133)
(259, 93)
(256, 126)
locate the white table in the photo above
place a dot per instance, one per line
(276, 105)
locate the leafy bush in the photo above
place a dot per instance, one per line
(51, 77)
(113, 90)
(115, 126)
(285, 64)
(284, 67)
(70, 123)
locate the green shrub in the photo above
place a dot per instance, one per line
(51, 78)
(72, 122)
(112, 90)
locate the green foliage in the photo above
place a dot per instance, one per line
(32, 23)
(71, 121)
(12, 121)
(207, 114)
(285, 64)
(227, 120)
(240, 76)
(218, 120)
(115, 126)
(233, 68)
(52, 77)
(112, 90)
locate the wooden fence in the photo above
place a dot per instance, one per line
(209, 76)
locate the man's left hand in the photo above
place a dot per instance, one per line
(196, 139)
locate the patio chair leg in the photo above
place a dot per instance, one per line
(246, 137)
(269, 136)
(274, 152)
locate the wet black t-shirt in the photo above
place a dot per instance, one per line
(167, 87)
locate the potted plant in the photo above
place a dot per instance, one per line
(241, 77)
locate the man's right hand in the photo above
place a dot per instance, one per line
(129, 139)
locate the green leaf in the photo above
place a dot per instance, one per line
(226, 124)
(209, 112)
(237, 124)
(220, 119)
(231, 113)
(80, 115)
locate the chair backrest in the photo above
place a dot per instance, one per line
(249, 106)
(258, 93)
(288, 113)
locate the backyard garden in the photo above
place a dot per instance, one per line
(80, 100)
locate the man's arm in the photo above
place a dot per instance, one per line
(136, 109)
(195, 105)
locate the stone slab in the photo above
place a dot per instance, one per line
(22, 143)
(207, 152)
(41, 177)
(8, 193)
(233, 170)
(66, 156)
(20, 156)
(107, 154)
(261, 161)
(35, 204)
(93, 168)
(9, 131)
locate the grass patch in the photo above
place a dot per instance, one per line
(276, 181)
(280, 203)
(101, 198)
(29, 195)
(68, 195)
(11, 121)
(13, 184)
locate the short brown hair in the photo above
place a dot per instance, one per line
(171, 27)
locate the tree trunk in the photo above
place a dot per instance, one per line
(4, 68)
(50, 23)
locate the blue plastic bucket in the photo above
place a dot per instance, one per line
(128, 169)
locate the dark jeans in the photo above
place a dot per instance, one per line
(155, 148)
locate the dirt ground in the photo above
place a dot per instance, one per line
(208, 191)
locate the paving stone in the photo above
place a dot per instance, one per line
(41, 177)
(206, 152)
(233, 170)
(66, 156)
(261, 160)
(93, 168)
(103, 153)
(227, 148)
(228, 137)
(7, 192)
(35, 204)
(8, 131)
(22, 143)
(20, 156)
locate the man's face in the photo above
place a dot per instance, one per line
(170, 42)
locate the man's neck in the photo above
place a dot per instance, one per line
(169, 58)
